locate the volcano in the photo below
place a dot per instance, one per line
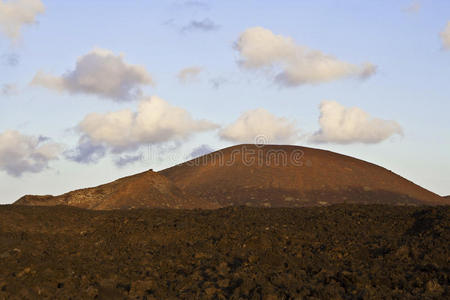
(144, 190)
(251, 175)
(293, 176)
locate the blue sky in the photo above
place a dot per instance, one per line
(402, 39)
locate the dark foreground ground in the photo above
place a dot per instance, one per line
(337, 252)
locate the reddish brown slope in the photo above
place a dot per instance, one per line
(143, 190)
(292, 176)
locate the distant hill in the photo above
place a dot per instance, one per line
(144, 190)
(292, 176)
(266, 176)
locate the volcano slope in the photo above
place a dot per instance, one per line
(144, 190)
(292, 176)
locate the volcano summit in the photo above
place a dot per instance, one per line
(252, 175)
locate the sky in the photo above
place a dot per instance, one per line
(91, 91)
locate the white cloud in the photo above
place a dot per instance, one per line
(22, 153)
(86, 152)
(218, 82)
(203, 25)
(196, 4)
(100, 73)
(155, 122)
(413, 7)
(125, 160)
(15, 14)
(9, 90)
(189, 74)
(260, 126)
(293, 64)
(200, 151)
(9, 59)
(342, 125)
(445, 36)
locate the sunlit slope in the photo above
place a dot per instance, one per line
(291, 176)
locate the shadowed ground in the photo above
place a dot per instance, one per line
(334, 252)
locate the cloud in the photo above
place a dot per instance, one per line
(86, 152)
(125, 160)
(413, 7)
(290, 64)
(196, 4)
(169, 22)
(10, 59)
(342, 125)
(218, 82)
(100, 73)
(8, 90)
(203, 25)
(16, 14)
(445, 37)
(43, 138)
(189, 74)
(22, 153)
(200, 151)
(260, 126)
(154, 122)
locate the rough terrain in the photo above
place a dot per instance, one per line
(333, 252)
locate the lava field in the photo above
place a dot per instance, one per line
(334, 252)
